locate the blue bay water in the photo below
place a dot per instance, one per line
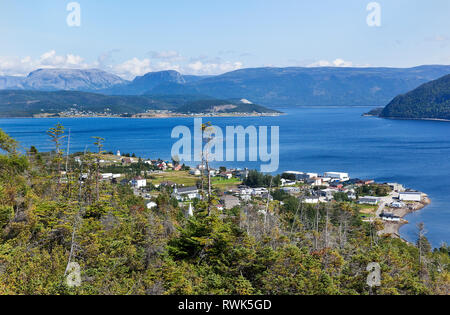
(414, 153)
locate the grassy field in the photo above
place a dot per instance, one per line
(181, 178)
(226, 184)
(184, 178)
(367, 209)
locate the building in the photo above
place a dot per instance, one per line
(286, 182)
(301, 176)
(311, 200)
(390, 217)
(397, 205)
(315, 181)
(410, 196)
(373, 201)
(195, 172)
(226, 175)
(291, 190)
(343, 177)
(259, 191)
(138, 182)
(328, 193)
(190, 212)
(396, 187)
(186, 193)
(107, 176)
(151, 205)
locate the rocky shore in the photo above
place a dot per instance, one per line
(393, 228)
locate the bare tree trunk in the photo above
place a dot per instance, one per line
(267, 205)
(326, 227)
(316, 234)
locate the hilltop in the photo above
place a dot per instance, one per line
(429, 101)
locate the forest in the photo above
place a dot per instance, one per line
(429, 101)
(50, 219)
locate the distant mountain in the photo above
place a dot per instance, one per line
(11, 82)
(323, 86)
(71, 80)
(63, 79)
(318, 86)
(19, 103)
(151, 81)
(429, 101)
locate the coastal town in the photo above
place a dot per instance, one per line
(388, 203)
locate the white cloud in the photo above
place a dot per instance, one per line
(23, 66)
(133, 67)
(166, 60)
(336, 63)
(166, 55)
(199, 67)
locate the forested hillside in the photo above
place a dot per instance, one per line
(429, 101)
(17, 103)
(50, 218)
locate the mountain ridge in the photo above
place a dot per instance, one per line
(268, 86)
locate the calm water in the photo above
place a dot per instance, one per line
(414, 153)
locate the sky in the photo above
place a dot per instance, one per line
(204, 37)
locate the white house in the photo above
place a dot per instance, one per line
(226, 175)
(410, 196)
(390, 217)
(195, 172)
(343, 177)
(151, 205)
(138, 182)
(397, 205)
(373, 201)
(187, 193)
(259, 191)
(396, 186)
(107, 175)
(315, 181)
(311, 200)
(286, 182)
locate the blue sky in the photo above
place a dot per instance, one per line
(131, 38)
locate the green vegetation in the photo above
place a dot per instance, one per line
(429, 101)
(181, 178)
(225, 184)
(50, 219)
(256, 179)
(375, 190)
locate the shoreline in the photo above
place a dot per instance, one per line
(400, 118)
(393, 228)
(162, 116)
